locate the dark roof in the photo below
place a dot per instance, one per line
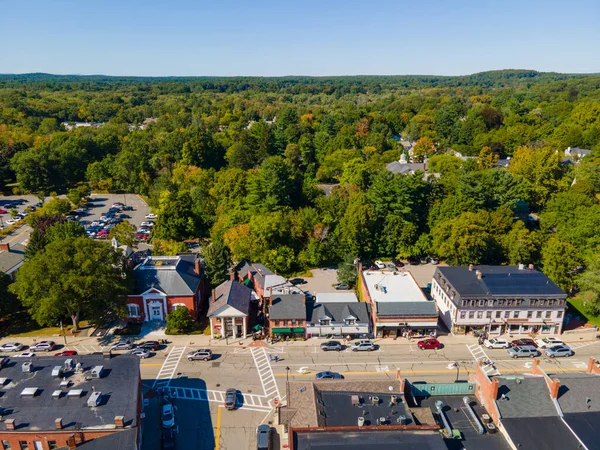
(337, 311)
(502, 163)
(119, 387)
(122, 440)
(12, 258)
(398, 167)
(579, 393)
(368, 440)
(340, 412)
(175, 275)
(258, 271)
(499, 281)
(288, 307)
(230, 293)
(586, 427)
(540, 433)
(396, 309)
(525, 398)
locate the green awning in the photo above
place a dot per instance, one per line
(257, 327)
(281, 330)
(297, 330)
(247, 282)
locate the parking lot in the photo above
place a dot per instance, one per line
(18, 202)
(102, 202)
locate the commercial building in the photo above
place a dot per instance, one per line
(498, 299)
(398, 305)
(287, 315)
(338, 319)
(230, 308)
(51, 403)
(163, 283)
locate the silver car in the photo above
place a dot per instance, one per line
(363, 346)
(525, 351)
(558, 351)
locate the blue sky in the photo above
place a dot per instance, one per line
(302, 37)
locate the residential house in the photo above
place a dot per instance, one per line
(338, 319)
(230, 309)
(264, 282)
(575, 153)
(398, 305)
(163, 283)
(498, 299)
(503, 163)
(287, 315)
(11, 258)
(404, 167)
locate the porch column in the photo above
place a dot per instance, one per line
(222, 327)
(212, 332)
(234, 327)
(244, 320)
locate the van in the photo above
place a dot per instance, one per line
(263, 437)
(526, 351)
(203, 354)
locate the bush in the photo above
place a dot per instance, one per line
(179, 319)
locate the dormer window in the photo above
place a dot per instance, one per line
(350, 321)
(324, 321)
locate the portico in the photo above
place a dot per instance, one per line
(229, 309)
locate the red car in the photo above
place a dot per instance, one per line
(67, 353)
(3, 211)
(429, 344)
(522, 342)
(141, 237)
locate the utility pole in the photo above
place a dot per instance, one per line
(62, 330)
(287, 385)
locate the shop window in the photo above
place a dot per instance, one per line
(538, 314)
(548, 314)
(480, 314)
(529, 314)
(488, 314)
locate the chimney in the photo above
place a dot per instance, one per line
(58, 423)
(71, 442)
(554, 388)
(232, 274)
(4, 246)
(214, 295)
(479, 274)
(471, 267)
(9, 424)
(197, 266)
(530, 266)
(119, 421)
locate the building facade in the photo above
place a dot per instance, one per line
(230, 308)
(498, 299)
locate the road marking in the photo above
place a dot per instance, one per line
(577, 345)
(151, 364)
(169, 367)
(580, 365)
(382, 369)
(480, 355)
(251, 402)
(218, 430)
(90, 348)
(265, 372)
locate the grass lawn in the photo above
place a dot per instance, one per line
(21, 325)
(576, 308)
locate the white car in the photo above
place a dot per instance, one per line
(496, 343)
(11, 347)
(147, 224)
(380, 264)
(140, 352)
(151, 216)
(168, 416)
(548, 342)
(43, 346)
(11, 222)
(25, 355)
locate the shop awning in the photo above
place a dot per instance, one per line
(281, 330)
(297, 330)
(247, 282)
(257, 327)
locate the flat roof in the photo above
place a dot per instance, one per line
(336, 297)
(368, 440)
(393, 286)
(119, 386)
(340, 412)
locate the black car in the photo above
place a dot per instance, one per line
(297, 281)
(230, 398)
(168, 438)
(331, 345)
(397, 263)
(127, 208)
(414, 260)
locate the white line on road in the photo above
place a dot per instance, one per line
(251, 402)
(169, 367)
(480, 355)
(265, 372)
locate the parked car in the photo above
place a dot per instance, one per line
(414, 261)
(496, 343)
(127, 208)
(230, 398)
(559, 351)
(142, 237)
(331, 345)
(341, 286)
(522, 342)
(363, 346)
(151, 216)
(525, 351)
(297, 281)
(168, 438)
(117, 205)
(434, 261)
(3, 211)
(329, 376)
(168, 415)
(25, 355)
(102, 233)
(141, 353)
(390, 266)
(11, 347)
(10, 221)
(263, 437)
(203, 354)
(147, 224)
(397, 263)
(150, 345)
(548, 342)
(66, 353)
(123, 346)
(424, 260)
(43, 346)
(429, 344)
(380, 264)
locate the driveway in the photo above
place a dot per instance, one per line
(322, 281)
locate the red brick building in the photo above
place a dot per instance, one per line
(163, 283)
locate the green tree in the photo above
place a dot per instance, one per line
(589, 282)
(423, 148)
(37, 242)
(217, 258)
(55, 207)
(179, 319)
(522, 246)
(8, 301)
(72, 278)
(346, 271)
(559, 259)
(124, 232)
(79, 194)
(63, 230)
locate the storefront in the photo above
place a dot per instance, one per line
(291, 332)
(405, 329)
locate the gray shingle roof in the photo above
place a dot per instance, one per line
(398, 167)
(406, 309)
(288, 307)
(337, 311)
(258, 271)
(525, 398)
(500, 281)
(540, 433)
(576, 389)
(121, 440)
(9, 260)
(230, 293)
(177, 277)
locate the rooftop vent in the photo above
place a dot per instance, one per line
(375, 400)
(75, 393)
(361, 421)
(97, 371)
(29, 392)
(3, 381)
(57, 372)
(94, 399)
(57, 394)
(26, 367)
(69, 364)
(65, 383)
(479, 274)
(521, 266)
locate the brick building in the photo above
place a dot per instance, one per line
(163, 283)
(54, 403)
(230, 308)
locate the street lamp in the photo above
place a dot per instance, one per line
(287, 384)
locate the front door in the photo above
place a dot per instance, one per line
(156, 313)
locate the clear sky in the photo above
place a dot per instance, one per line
(298, 37)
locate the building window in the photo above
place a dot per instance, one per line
(52, 445)
(294, 321)
(498, 313)
(5, 445)
(178, 305)
(548, 314)
(488, 314)
(24, 445)
(559, 314)
(324, 321)
(516, 314)
(471, 314)
(538, 314)
(506, 314)
(463, 314)
(277, 323)
(133, 310)
(529, 314)
(480, 314)
(350, 321)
